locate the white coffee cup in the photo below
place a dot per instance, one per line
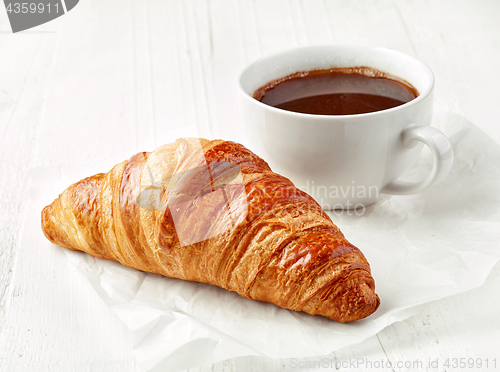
(344, 161)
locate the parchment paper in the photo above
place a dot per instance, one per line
(421, 248)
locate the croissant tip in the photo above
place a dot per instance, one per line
(46, 212)
(362, 301)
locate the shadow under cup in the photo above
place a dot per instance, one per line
(343, 161)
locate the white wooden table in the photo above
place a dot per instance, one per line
(112, 77)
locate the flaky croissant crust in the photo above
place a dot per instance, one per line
(276, 244)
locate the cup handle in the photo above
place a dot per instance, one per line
(443, 159)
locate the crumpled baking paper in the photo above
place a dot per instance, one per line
(421, 248)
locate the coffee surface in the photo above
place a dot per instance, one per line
(338, 91)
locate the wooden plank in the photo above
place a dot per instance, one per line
(462, 326)
(53, 319)
(56, 320)
(458, 40)
(24, 70)
(374, 23)
(123, 77)
(91, 108)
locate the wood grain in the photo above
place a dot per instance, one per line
(114, 77)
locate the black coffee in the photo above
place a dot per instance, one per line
(338, 91)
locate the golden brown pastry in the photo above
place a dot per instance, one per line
(214, 212)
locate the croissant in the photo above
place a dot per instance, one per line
(214, 212)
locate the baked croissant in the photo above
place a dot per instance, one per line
(214, 212)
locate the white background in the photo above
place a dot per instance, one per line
(112, 77)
